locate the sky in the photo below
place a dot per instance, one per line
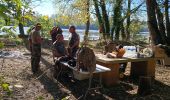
(45, 7)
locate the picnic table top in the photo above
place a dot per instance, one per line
(102, 58)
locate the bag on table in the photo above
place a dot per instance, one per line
(86, 59)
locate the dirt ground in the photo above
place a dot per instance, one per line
(26, 86)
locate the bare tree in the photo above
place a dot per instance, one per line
(166, 5)
(128, 21)
(116, 19)
(152, 22)
(105, 17)
(88, 18)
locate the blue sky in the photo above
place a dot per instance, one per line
(45, 7)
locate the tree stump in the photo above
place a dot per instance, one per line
(144, 85)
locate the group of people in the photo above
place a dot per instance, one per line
(58, 47)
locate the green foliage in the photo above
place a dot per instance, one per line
(3, 10)
(29, 30)
(73, 13)
(135, 27)
(10, 36)
(5, 86)
(17, 10)
(1, 45)
(2, 22)
(18, 41)
(66, 98)
(40, 98)
(47, 24)
(9, 32)
(100, 44)
(139, 38)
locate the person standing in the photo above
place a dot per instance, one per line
(54, 32)
(73, 42)
(36, 48)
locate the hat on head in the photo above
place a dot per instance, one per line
(72, 27)
(38, 24)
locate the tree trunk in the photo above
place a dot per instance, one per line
(167, 20)
(7, 21)
(123, 35)
(144, 86)
(160, 22)
(152, 23)
(117, 32)
(88, 20)
(128, 21)
(105, 17)
(116, 19)
(21, 29)
(99, 17)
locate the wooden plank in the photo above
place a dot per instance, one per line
(99, 68)
(104, 59)
(138, 69)
(111, 77)
(151, 64)
(143, 68)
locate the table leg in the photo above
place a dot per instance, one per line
(143, 68)
(111, 77)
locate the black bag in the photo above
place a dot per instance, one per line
(72, 62)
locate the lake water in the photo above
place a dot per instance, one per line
(93, 34)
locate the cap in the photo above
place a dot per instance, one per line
(38, 24)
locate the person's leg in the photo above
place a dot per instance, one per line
(33, 65)
(33, 58)
(38, 57)
(123, 67)
(74, 51)
(36, 52)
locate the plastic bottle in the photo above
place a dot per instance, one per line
(137, 51)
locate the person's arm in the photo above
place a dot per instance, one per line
(54, 42)
(111, 55)
(75, 44)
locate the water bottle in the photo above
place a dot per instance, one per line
(137, 51)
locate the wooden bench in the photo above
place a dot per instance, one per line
(99, 69)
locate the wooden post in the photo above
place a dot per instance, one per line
(143, 68)
(112, 77)
(144, 85)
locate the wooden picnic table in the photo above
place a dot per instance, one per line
(139, 67)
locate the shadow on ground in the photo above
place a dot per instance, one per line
(118, 92)
(78, 88)
(52, 87)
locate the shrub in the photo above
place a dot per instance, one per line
(1, 45)
(18, 41)
(10, 32)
